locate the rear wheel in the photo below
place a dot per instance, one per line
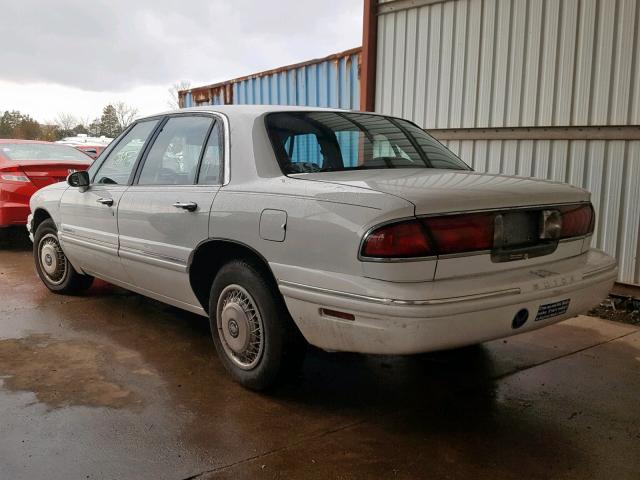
(252, 330)
(52, 265)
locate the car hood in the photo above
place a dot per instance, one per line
(440, 191)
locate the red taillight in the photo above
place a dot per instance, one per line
(398, 240)
(13, 175)
(461, 233)
(577, 220)
(431, 236)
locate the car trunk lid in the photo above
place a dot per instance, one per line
(443, 191)
(43, 172)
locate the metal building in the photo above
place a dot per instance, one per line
(332, 81)
(543, 88)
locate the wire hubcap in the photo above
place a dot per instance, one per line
(240, 327)
(52, 259)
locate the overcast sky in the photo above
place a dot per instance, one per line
(74, 56)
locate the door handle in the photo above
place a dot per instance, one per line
(105, 201)
(188, 206)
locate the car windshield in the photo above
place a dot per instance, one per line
(41, 151)
(307, 142)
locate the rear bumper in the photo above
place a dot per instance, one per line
(468, 316)
(13, 214)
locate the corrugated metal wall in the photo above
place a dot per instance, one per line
(510, 63)
(527, 63)
(332, 81)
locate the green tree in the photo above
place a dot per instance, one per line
(80, 128)
(109, 126)
(94, 128)
(14, 124)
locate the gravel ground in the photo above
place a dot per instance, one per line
(619, 308)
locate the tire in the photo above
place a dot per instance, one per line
(254, 335)
(52, 265)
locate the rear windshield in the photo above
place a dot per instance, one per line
(41, 151)
(306, 142)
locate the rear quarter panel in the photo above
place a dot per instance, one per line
(325, 224)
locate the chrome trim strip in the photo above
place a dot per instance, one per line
(572, 239)
(464, 254)
(503, 209)
(598, 271)
(112, 250)
(227, 148)
(337, 293)
(390, 301)
(151, 257)
(464, 298)
(396, 260)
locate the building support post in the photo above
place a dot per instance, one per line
(369, 54)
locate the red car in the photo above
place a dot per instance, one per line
(92, 150)
(28, 165)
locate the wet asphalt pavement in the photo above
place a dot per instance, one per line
(111, 385)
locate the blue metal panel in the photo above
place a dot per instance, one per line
(333, 81)
(326, 83)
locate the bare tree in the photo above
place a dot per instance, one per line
(66, 121)
(174, 101)
(125, 114)
(85, 121)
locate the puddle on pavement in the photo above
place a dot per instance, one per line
(67, 372)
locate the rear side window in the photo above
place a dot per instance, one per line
(117, 167)
(211, 167)
(175, 154)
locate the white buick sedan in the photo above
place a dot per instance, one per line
(350, 231)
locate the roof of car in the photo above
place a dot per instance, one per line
(254, 110)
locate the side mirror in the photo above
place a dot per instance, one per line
(79, 179)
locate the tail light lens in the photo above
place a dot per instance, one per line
(14, 177)
(12, 174)
(431, 236)
(462, 233)
(398, 240)
(577, 220)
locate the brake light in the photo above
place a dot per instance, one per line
(13, 174)
(577, 220)
(398, 240)
(7, 177)
(461, 233)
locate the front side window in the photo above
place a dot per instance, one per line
(306, 142)
(174, 156)
(117, 167)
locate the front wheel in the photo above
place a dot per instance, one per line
(252, 330)
(52, 265)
